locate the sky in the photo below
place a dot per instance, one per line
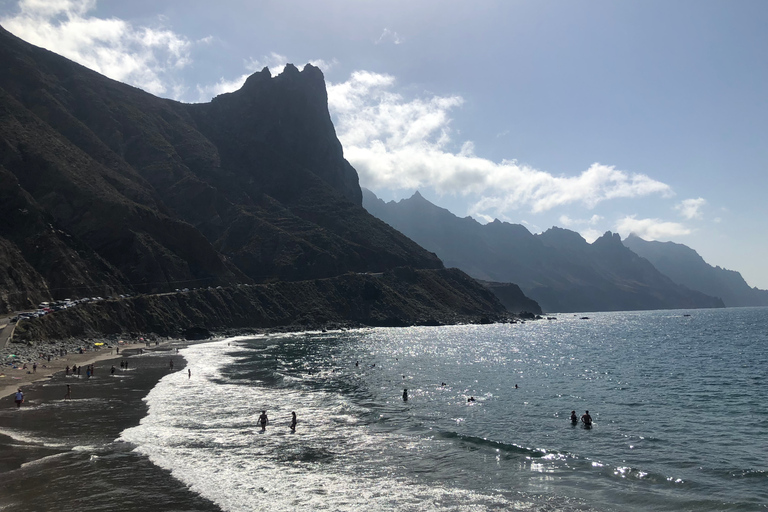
(646, 117)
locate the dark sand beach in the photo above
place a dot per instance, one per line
(63, 454)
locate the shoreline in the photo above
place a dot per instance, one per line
(56, 453)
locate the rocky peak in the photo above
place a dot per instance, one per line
(285, 115)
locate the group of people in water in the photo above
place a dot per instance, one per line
(586, 419)
(78, 370)
(264, 421)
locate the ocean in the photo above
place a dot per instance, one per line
(679, 401)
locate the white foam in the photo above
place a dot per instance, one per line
(205, 432)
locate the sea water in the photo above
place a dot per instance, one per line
(679, 401)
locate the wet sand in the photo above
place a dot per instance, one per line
(58, 454)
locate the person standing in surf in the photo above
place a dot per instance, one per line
(293, 421)
(263, 420)
(586, 419)
(19, 398)
(574, 418)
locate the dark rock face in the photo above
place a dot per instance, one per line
(684, 266)
(196, 333)
(558, 268)
(106, 189)
(513, 298)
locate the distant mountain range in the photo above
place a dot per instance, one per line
(684, 266)
(557, 268)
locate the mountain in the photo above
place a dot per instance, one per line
(106, 189)
(558, 268)
(685, 266)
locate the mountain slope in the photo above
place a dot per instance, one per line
(110, 189)
(558, 268)
(685, 266)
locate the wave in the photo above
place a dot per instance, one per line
(498, 445)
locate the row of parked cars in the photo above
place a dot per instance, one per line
(49, 307)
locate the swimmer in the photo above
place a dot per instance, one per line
(471, 399)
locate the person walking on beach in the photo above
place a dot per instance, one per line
(19, 398)
(68, 396)
(34, 367)
(263, 420)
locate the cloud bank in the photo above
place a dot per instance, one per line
(397, 143)
(143, 56)
(650, 229)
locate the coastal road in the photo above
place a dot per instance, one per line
(6, 331)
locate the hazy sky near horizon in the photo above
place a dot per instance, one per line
(635, 116)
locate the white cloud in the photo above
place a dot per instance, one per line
(590, 235)
(143, 56)
(396, 143)
(389, 36)
(566, 221)
(650, 229)
(691, 208)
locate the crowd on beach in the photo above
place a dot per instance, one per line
(23, 363)
(19, 356)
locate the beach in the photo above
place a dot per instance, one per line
(56, 453)
(13, 375)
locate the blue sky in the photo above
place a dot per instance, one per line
(648, 117)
